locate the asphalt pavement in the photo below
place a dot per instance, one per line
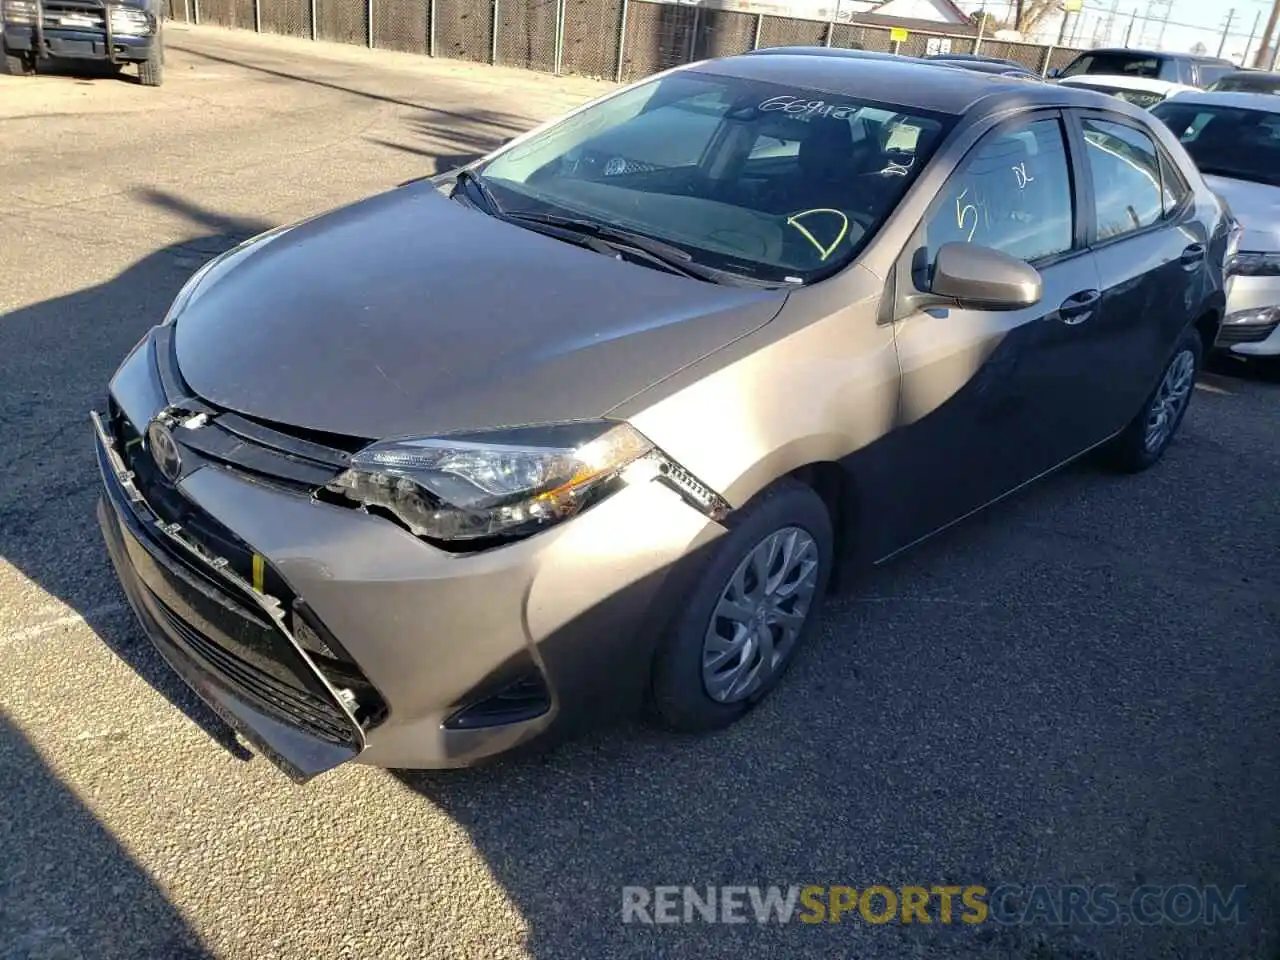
(1081, 686)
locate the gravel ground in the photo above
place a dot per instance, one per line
(1080, 686)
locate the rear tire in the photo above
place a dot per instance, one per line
(16, 64)
(712, 668)
(1147, 437)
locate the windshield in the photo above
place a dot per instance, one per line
(1227, 141)
(1115, 64)
(771, 183)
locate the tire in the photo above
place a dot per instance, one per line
(788, 513)
(151, 70)
(16, 65)
(1138, 447)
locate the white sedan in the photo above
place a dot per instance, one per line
(1234, 138)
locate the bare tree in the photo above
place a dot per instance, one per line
(1027, 14)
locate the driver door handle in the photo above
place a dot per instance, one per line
(1193, 255)
(1079, 307)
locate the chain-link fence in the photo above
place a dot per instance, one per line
(612, 39)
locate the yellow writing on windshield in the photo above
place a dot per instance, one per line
(824, 251)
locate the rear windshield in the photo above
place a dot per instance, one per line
(1248, 83)
(1116, 64)
(1227, 141)
(1139, 98)
(777, 184)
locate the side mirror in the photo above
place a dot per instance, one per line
(984, 279)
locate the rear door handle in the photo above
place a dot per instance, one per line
(1193, 255)
(1079, 307)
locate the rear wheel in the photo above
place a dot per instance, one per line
(752, 608)
(1149, 434)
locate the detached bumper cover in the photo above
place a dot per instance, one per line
(228, 642)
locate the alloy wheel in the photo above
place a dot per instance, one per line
(1170, 400)
(760, 614)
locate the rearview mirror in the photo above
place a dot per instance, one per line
(984, 279)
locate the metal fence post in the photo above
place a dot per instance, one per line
(693, 35)
(897, 45)
(493, 48)
(186, 11)
(559, 35)
(1046, 59)
(195, 12)
(257, 16)
(315, 33)
(368, 19)
(431, 28)
(622, 39)
(755, 40)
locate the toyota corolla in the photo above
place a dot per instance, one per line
(593, 424)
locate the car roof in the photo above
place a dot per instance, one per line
(1265, 102)
(990, 66)
(905, 82)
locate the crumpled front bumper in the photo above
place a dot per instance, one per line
(229, 643)
(440, 641)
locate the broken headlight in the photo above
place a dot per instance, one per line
(495, 485)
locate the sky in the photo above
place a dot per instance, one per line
(1190, 22)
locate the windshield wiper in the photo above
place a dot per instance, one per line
(663, 254)
(470, 176)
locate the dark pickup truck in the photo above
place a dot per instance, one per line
(115, 32)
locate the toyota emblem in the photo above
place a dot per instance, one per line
(164, 451)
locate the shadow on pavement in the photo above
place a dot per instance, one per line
(67, 888)
(70, 347)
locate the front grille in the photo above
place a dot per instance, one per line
(310, 712)
(74, 15)
(298, 460)
(1235, 333)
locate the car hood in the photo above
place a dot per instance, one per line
(410, 313)
(1256, 206)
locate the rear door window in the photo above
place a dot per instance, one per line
(1125, 164)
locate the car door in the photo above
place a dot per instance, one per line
(1150, 251)
(983, 392)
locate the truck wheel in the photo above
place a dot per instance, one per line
(16, 65)
(151, 70)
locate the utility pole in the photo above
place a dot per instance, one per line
(1128, 34)
(1231, 15)
(1253, 35)
(1266, 56)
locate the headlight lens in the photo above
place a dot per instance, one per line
(19, 11)
(130, 22)
(1255, 264)
(477, 486)
(1256, 316)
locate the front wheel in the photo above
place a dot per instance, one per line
(16, 65)
(151, 70)
(1149, 434)
(752, 608)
